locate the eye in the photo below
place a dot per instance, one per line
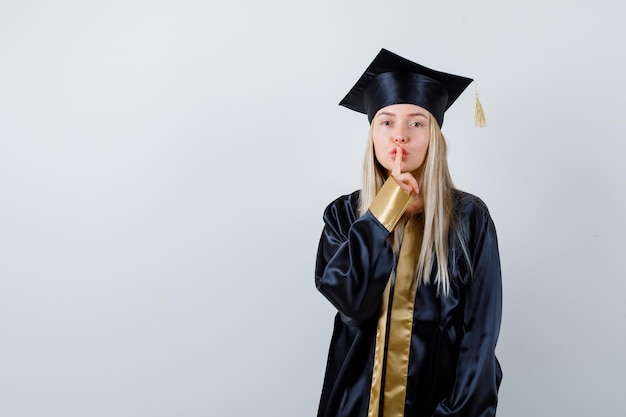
(415, 124)
(386, 123)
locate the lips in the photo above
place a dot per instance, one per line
(394, 151)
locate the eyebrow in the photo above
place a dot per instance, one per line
(386, 113)
(418, 114)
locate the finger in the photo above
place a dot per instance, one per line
(398, 161)
(397, 166)
(414, 185)
(407, 182)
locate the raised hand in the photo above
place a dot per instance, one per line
(405, 180)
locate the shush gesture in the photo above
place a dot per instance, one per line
(405, 180)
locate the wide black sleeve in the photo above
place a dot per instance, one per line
(354, 261)
(354, 257)
(478, 372)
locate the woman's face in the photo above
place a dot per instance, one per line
(404, 126)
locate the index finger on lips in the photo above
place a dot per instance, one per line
(398, 161)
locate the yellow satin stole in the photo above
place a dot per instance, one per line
(393, 333)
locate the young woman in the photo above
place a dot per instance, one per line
(410, 263)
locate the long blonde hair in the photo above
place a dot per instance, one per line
(436, 188)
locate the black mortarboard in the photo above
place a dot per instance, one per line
(391, 79)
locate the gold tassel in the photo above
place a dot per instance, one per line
(479, 116)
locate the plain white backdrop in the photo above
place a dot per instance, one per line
(164, 166)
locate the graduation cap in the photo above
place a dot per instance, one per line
(392, 79)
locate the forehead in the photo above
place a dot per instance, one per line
(403, 109)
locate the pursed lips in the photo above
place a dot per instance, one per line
(394, 151)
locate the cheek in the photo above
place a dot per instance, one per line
(424, 149)
(421, 152)
(423, 145)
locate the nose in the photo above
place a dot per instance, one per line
(400, 135)
(399, 139)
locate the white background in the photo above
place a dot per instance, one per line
(164, 166)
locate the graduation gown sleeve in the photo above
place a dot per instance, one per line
(354, 258)
(478, 373)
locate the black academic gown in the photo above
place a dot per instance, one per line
(453, 370)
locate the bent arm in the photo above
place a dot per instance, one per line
(354, 258)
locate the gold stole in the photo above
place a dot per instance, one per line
(388, 390)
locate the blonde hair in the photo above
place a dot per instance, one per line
(436, 188)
